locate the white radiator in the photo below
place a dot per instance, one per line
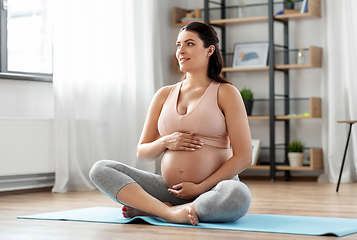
(26, 153)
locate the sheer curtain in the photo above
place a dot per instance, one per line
(106, 70)
(340, 89)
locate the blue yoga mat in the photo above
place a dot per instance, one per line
(250, 222)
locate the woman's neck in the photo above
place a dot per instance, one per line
(197, 79)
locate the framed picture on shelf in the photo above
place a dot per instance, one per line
(250, 55)
(256, 149)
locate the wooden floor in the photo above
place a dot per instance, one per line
(281, 198)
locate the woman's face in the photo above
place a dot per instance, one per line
(190, 52)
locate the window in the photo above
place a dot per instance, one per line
(26, 39)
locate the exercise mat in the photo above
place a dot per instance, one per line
(250, 222)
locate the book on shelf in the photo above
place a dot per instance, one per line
(304, 6)
(287, 12)
(189, 20)
(255, 150)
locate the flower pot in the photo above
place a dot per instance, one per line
(248, 106)
(296, 159)
(289, 6)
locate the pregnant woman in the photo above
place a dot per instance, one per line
(193, 124)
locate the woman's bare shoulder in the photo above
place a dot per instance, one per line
(164, 91)
(227, 92)
(162, 94)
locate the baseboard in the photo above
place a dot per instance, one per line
(26, 182)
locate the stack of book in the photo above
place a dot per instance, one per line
(304, 9)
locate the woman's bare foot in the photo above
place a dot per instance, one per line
(179, 214)
(185, 214)
(130, 212)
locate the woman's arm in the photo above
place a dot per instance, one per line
(151, 145)
(231, 103)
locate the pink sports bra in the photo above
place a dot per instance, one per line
(205, 120)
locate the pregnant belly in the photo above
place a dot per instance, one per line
(182, 166)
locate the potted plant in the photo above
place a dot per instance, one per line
(248, 98)
(296, 154)
(289, 4)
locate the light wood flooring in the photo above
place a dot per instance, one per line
(281, 198)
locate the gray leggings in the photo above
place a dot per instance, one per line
(227, 201)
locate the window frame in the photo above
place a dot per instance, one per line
(4, 73)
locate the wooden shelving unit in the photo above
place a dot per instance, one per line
(314, 61)
(314, 112)
(316, 163)
(314, 12)
(230, 21)
(178, 14)
(230, 69)
(314, 7)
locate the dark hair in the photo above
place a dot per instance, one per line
(209, 37)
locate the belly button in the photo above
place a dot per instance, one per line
(181, 171)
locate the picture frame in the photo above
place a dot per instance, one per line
(247, 55)
(256, 144)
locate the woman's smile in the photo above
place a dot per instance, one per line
(182, 60)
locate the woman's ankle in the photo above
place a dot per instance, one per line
(184, 215)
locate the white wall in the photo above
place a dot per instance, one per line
(168, 38)
(26, 99)
(26, 142)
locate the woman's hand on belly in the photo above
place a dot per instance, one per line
(179, 141)
(186, 190)
(195, 167)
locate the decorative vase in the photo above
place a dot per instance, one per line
(296, 159)
(300, 58)
(248, 106)
(240, 8)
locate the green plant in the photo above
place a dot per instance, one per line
(247, 94)
(295, 146)
(289, 1)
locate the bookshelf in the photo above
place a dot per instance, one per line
(314, 61)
